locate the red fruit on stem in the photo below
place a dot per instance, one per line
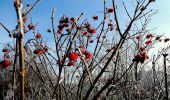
(5, 63)
(142, 49)
(72, 19)
(148, 36)
(42, 51)
(45, 49)
(85, 33)
(83, 51)
(36, 51)
(95, 18)
(5, 50)
(24, 28)
(73, 56)
(65, 25)
(70, 63)
(111, 28)
(39, 51)
(60, 31)
(145, 55)
(88, 55)
(24, 19)
(92, 31)
(81, 47)
(158, 38)
(6, 56)
(110, 10)
(31, 26)
(110, 24)
(149, 42)
(141, 57)
(38, 36)
(60, 26)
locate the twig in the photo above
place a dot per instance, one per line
(86, 67)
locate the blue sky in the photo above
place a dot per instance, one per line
(42, 14)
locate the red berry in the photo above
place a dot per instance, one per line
(158, 38)
(72, 19)
(36, 51)
(110, 10)
(110, 24)
(59, 31)
(85, 33)
(149, 42)
(65, 25)
(31, 26)
(73, 56)
(95, 18)
(70, 63)
(38, 36)
(24, 28)
(6, 56)
(88, 55)
(142, 49)
(45, 49)
(141, 57)
(148, 36)
(83, 51)
(92, 31)
(24, 19)
(5, 63)
(5, 50)
(39, 52)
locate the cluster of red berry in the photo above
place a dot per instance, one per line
(64, 23)
(6, 63)
(141, 57)
(73, 56)
(30, 26)
(110, 10)
(40, 51)
(90, 29)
